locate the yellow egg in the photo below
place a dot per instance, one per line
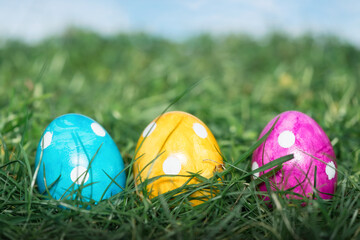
(176, 143)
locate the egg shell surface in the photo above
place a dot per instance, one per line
(298, 134)
(176, 143)
(75, 151)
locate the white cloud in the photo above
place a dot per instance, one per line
(33, 20)
(193, 4)
(259, 17)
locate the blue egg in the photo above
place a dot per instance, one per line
(76, 154)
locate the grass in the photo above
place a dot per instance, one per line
(125, 81)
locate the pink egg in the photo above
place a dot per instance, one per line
(298, 134)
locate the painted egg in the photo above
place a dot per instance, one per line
(75, 153)
(176, 143)
(298, 134)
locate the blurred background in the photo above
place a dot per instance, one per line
(123, 62)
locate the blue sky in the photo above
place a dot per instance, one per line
(33, 20)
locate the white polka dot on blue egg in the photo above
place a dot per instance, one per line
(76, 153)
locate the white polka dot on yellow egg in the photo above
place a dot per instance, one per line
(149, 129)
(172, 165)
(200, 130)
